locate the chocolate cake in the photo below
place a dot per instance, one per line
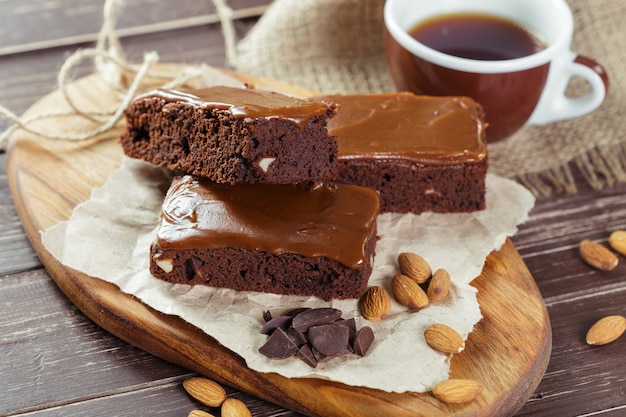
(233, 135)
(421, 153)
(314, 239)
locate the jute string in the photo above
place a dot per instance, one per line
(110, 62)
(335, 46)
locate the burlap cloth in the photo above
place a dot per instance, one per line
(336, 46)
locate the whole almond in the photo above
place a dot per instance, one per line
(375, 303)
(456, 391)
(233, 407)
(444, 338)
(439, 285)
(597, 255)
(606, 330)
(206, 391)
(199, 413)
(408, 292)
(414, 266)
(617, 240)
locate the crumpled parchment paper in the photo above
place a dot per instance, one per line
(109, 237)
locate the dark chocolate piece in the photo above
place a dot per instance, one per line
(324, 335)
(279, 346)
(281, 321)
(350, 323)
(267, 316)
(296, 311)
(313, 317)
(329, 339)
(306, 354)
(363, 340)
(298, 338)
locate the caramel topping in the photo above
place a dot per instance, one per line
(424, 129)
(243, 103)
(324, 220)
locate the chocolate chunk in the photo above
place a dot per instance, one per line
(350, 323)
(306, 354)
(314, 317)
(314, 335)
(298, 338)
(279, 346)
(363, 340)
(297, 311)
(281, 321)
(320, 357)
(329, 339)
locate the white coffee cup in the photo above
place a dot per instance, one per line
(513, 92)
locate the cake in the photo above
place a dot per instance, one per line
(299, 239)
(422, 153)
(232, 135)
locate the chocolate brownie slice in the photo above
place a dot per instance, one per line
(233, 135)
(293, 239)
(422, 153)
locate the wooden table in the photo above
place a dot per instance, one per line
(55, 361)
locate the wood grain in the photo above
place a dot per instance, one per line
(508, 352)
(71, 22)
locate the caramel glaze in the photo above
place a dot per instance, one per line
(423, 129)
(321, 220)
(245, 103)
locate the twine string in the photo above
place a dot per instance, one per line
(111, 63)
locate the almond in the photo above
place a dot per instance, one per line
(444, 338)
(233, 407)
(439, 285)
(414, 267)
(597, 255)
(408, 292)
(375, 303)
(199, 413)
(206, 391)
(606, 330)
(617, 240)
(455, 391)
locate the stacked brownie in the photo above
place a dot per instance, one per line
(254, 208)
(281, 195)
(422, 153)
(233, 135)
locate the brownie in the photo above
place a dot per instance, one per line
(233, 135)
(422, 153)
(300, 239)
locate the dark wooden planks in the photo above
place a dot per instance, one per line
(580, 379)
(26, 77)
(549, 242)
(53, 355)
(32, 25)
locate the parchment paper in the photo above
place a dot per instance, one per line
(109, 237)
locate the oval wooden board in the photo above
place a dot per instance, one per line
(508, 351)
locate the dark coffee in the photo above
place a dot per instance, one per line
(477, 36)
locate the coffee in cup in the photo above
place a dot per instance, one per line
(513, 57)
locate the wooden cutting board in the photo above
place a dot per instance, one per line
(508, 351)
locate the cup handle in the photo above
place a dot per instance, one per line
(555, 105)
